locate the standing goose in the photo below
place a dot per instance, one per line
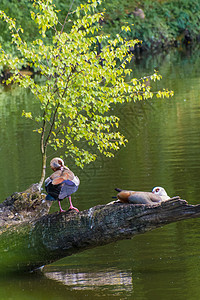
(61, 184)
(158, 194)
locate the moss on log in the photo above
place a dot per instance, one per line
(36, 240)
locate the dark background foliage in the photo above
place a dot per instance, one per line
(166, 22)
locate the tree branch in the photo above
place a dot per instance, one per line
(63, 26)
(52, 124)
(38, 241)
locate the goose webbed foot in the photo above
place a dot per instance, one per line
(72, 207)
(61, 210)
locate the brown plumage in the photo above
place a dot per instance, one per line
(137, 197)
(60, 175)
(62, 183)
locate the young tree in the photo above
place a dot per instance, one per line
(81, 84)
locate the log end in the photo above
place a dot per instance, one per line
(24, 206)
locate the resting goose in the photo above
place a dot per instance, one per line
(158, 194)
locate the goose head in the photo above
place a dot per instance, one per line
(56, 164)
(160, 191)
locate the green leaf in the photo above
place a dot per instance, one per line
(77, 88)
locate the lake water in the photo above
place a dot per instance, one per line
(163, 149)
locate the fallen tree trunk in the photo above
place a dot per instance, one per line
(33, 241)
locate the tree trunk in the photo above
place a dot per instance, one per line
(44, 161)
(31, 238)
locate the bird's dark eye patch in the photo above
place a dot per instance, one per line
(60, 162)
(157, 190)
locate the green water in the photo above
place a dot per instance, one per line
(163, 149)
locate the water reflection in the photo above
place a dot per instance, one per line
(112, 280)
(19, 147)
(163, 149)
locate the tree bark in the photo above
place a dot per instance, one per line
(44, 160)
(37, 238)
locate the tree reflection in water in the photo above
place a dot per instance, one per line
(115, 280)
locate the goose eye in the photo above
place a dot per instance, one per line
(157, 190)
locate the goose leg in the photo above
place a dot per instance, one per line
(71, 205)
(61, 210)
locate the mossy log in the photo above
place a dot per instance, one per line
(31, 238)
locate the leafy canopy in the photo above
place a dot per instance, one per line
(81, 83)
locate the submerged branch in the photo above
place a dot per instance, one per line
(28, 244)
